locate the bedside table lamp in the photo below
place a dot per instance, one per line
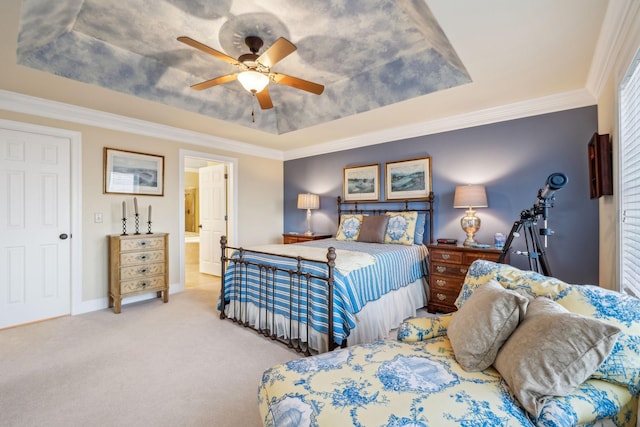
(469, 197)
(308, 201)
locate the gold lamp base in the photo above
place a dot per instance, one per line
(470, 223)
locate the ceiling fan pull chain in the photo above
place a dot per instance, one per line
(253, 107)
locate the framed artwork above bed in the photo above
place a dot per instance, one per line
(408, 179)
(362, 183)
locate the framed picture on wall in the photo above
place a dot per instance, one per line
(130, 172)
(362, 183)
(408, 179)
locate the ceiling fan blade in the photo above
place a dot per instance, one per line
(218, 80)
(264, 99)
(283, 79)
(204, 48)
(279, 50)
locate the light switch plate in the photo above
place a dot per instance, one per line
(97, 217)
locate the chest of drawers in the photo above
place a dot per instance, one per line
(448, 266)
(138, 264)
(288, 238)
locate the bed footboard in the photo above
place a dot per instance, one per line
(285, 298)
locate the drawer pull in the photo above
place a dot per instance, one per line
(441, 269)
(441, 283)
(441, 297)
(143, 284)
(445, 256)
(143, 257)
(143, 271)
(463, 270)
(143, 243)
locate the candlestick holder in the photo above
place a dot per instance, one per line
(124, 226)
(149, 227)
(137, 224)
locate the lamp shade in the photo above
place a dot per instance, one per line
(470, 196)
(308, 201)
(253, 81)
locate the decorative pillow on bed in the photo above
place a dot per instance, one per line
(373, 229)
(552, 352)
(418, 237)
(401, 228)
(349, 227)
(484, 323)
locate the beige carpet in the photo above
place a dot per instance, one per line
(156, 364)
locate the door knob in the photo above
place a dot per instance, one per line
(200, 226)
(63, 236)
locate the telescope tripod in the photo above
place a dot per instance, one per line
(534, 250)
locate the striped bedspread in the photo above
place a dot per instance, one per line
(393, 267)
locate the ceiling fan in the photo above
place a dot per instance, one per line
(254, 71)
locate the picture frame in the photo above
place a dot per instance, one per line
(408, 179)
(131, 172)
(361, 183)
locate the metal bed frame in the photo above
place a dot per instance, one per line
(299, 279)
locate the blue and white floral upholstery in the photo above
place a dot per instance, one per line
(417, 381)
(401, 228)
(349, 227)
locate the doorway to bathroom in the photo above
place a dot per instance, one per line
(206, 213)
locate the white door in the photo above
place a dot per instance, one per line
(35, 224)
(212, 195)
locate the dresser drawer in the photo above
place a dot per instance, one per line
(144, 257)
(469, 257)
(446, 283)
(449, 269)
(142, 243)
(136, 271)
(147, 284)
(443, 255)
(444, 298)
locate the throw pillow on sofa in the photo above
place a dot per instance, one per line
(485, 321)
(552, 352)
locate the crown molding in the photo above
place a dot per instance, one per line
(533, 107)
(20, 103)
(617, 23)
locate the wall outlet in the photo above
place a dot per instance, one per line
(97, 217)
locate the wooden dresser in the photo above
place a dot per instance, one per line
(297, 238)
(448, 265)
(138, 264)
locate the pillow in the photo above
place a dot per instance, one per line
(349, 227)
(552, 352)
(373, 228)
(424, 328)
(418, 237)
(401, 228)
(484, 323)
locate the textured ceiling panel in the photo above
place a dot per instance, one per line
(367, 54)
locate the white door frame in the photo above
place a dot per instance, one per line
(232, 197)
(75, 139)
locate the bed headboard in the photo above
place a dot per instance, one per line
(378, 208)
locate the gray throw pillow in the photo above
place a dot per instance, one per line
(485, 321)
(552, 352)
(373, 228)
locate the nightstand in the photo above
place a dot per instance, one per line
(448, 265)
(297, 238)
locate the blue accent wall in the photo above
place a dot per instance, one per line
(512, 159)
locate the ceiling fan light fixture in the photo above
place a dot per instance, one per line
(253, 81)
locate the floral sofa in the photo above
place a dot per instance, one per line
(522, 350)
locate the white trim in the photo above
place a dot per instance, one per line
(533, 107)
(616, 24)
(20, 103)
(232, 196)
(75, 138)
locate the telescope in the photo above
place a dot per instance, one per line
(555, 181)
(528, 220)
